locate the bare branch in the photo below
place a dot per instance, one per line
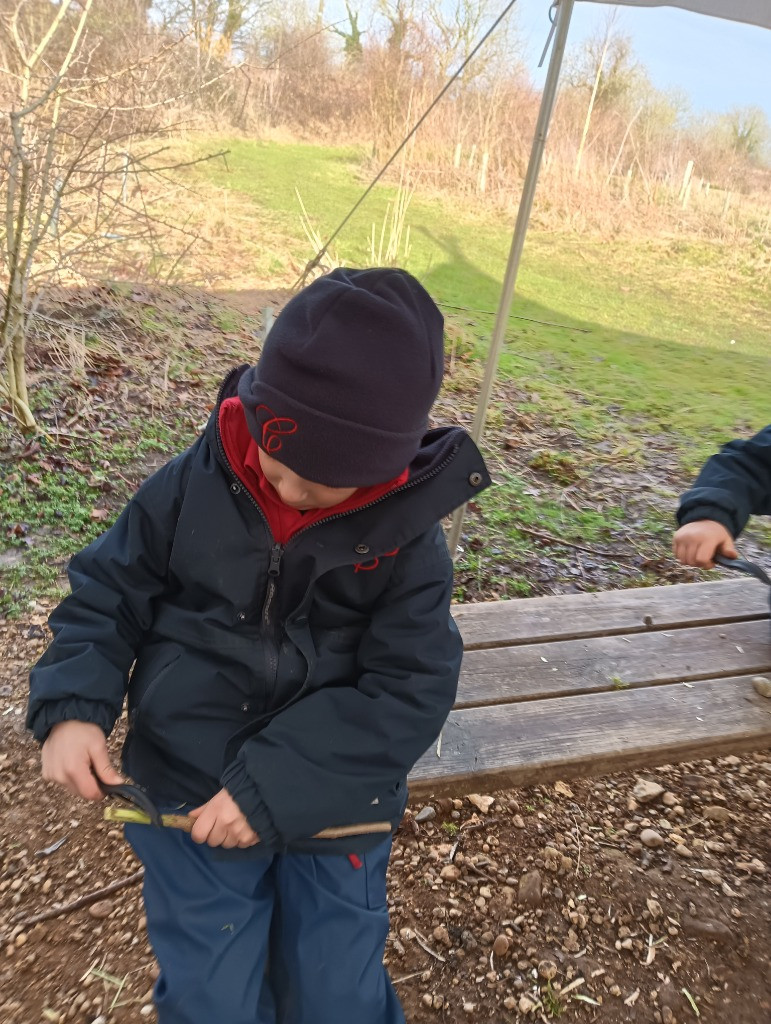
(164, 102)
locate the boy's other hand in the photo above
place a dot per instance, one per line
(220, 822)
(75, 755)
(697, 543)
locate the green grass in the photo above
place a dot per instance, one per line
(48, 503)
(660, 314)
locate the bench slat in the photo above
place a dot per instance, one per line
(641, 659)
(533, 619)
(540, 741)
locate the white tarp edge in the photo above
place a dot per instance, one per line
(753, 12)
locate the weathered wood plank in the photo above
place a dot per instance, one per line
(539, 741)
(569, 616)
(569, 667)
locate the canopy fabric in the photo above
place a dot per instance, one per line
(753, 12)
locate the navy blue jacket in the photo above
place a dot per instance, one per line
(733, 485)
(305, 686)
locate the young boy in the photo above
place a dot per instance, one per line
(282, 589)
(732, 486)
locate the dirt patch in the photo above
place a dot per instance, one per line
(255, 300)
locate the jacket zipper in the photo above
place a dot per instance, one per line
(267, 623)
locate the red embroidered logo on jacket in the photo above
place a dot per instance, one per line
(369, 566)
(274, 429)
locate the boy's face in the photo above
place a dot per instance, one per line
(298, 493)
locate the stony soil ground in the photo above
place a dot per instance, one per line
(624, 899)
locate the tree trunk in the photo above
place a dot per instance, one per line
(14, 380)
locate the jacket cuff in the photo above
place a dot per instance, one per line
(241, 787)
(43, 718)
(712, 512)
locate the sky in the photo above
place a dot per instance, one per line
(718, 64)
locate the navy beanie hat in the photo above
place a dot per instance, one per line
(347, 377)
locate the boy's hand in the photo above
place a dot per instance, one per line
(73, 754)
(697, 543)
(221, 823)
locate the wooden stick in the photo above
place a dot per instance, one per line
(571, 544)
(83, 901)
(127, 815)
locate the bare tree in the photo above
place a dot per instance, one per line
(217, 26)
(82, 133)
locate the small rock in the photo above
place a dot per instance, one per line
(530, 889)
(562, 789)
(669, 799)
(650, 837)
(526, 1005)
(715, 846)
(146, 1010)
(427, 999)
(547, 969)
(644, 791)
(712, 876)
(482, 803)
(450, 873)
(718, 813)
(654, 909)
(683, 851)
(501, 945)
(762, 686)
(518, 821)
(426, 813)
(442, 935)
(100, 910)
(667, 1017)
(485, 892)
(509, 1003)
(752, 867)
(706, 928)
(469, 1007)
(407, 934)
(551, 859)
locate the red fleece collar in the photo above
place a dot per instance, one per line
(242, 452)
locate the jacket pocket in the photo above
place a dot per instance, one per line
(142, 689)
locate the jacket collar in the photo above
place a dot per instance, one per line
(447, 471)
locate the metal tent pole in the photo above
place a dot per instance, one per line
(561, 25)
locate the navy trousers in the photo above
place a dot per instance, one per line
(288, 939)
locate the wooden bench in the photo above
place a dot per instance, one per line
(586, 684)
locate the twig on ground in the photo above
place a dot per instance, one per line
(83, 901)
(423, 943)
(551, 539)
